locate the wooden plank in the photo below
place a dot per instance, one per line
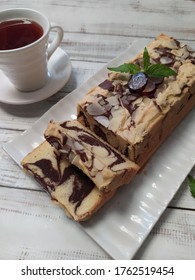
(99, 47)
(35, 213)
(10, 174)
(128, 18)
(32, 227)
(172, 238)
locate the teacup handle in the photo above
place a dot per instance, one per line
(57, 40)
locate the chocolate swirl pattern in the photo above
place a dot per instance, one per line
(118, 128)
(65, 183)
(107, 168)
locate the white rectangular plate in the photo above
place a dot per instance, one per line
(122, 225)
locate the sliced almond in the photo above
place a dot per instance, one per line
(166, 60)
(104, 121)
(95, 109)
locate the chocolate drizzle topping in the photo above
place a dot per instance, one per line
(107, 85)
(126, 96)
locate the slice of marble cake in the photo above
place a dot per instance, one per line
(104, 165)
(66, 184)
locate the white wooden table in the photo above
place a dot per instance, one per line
(94, 33)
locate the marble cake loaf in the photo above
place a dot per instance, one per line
(136, 122)
(105, 166)
(66, 184)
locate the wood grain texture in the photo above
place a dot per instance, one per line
(94, 33)
(174, 232)
(31, 223)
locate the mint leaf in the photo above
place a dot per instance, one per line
(126, 68)
(151, 70)
(146, 58)
(159, 70)
(192, 185)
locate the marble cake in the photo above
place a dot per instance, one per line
(120, 123)
(104, 165)
(66, 184)
(137, 120)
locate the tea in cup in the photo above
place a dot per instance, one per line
(25, 48)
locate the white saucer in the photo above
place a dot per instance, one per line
(59, 69)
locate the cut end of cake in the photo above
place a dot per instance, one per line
(103, 164)
(67, 185)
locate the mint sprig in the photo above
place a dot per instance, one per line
(146, 59)
(127, 68)
(157, 70)
(192, 185)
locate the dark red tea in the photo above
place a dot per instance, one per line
(18, 33)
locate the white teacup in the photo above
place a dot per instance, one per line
(26, 66)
